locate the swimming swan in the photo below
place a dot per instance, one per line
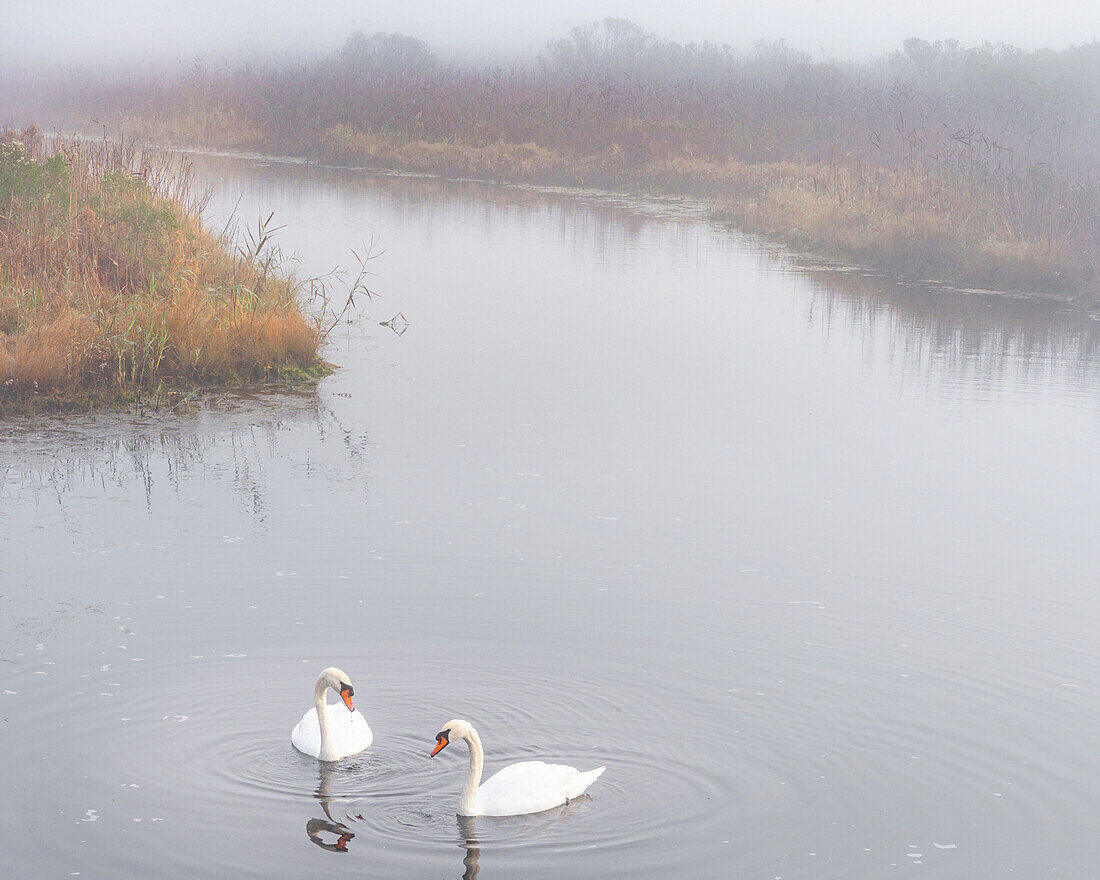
(526, 787)
(325, 732)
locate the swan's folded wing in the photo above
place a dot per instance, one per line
(306, 735)
(349, 732)
(531, 787)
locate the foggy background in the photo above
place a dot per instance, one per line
(53, 32)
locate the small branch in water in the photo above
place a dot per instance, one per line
(398, 323)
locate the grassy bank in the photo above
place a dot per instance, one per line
(974, 165)
(995, 232)
(111, 289)
(954, 219)
(988, 228)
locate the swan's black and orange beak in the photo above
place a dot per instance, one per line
(441, 742)
(346, 693)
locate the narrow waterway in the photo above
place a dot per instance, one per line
(807, 559)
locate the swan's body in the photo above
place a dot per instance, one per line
(330, 732)
(526, 787)
(529, 787)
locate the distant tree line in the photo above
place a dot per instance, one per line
(612, 82)
(993, 136)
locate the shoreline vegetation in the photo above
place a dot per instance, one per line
(973, 166)
(112, 290)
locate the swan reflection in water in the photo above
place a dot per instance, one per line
(467, 829)
(534, 824)
(319, 830)
(332, 834)
(315, 829)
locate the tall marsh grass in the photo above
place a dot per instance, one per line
(110, 286)
(986, 229)
(975, 164)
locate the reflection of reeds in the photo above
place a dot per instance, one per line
(233, 434)
(110, 287)
(976, 339)
(972, 164)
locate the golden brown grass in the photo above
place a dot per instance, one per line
(909, 223)
(916, 220)
(195, 126)
(111, 288)
(971, 164)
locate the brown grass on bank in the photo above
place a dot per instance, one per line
(110, 287)
(913, 222)
(951, 218)
(975, 164)
(938, 219)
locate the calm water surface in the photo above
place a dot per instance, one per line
(809, 560)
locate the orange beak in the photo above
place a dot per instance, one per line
(439, 746)
(346, 697)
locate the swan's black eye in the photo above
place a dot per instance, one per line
(443, 734)
(347, 689)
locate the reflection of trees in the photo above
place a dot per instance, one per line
(927, 330)
(418, 201)
(979, 334)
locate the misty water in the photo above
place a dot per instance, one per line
(808, 559)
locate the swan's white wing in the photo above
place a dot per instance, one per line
(531, 787)
(349, 732)
(306, 735)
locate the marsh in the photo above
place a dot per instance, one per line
(805, 557)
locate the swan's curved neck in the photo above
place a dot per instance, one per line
(473, 778)
(325, 753)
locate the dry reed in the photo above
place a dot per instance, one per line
(111, 288)
(974, 164)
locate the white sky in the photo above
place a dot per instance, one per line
(34, 32)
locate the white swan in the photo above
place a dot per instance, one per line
(526, 787)
(325, 732)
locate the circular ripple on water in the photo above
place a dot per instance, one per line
(407, 800)
(212, 738)
(397, 801)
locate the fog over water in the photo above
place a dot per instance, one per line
(804, 553)
(56, 31)
(806, 558)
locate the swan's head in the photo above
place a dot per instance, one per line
(338, 680)
(452, 730)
